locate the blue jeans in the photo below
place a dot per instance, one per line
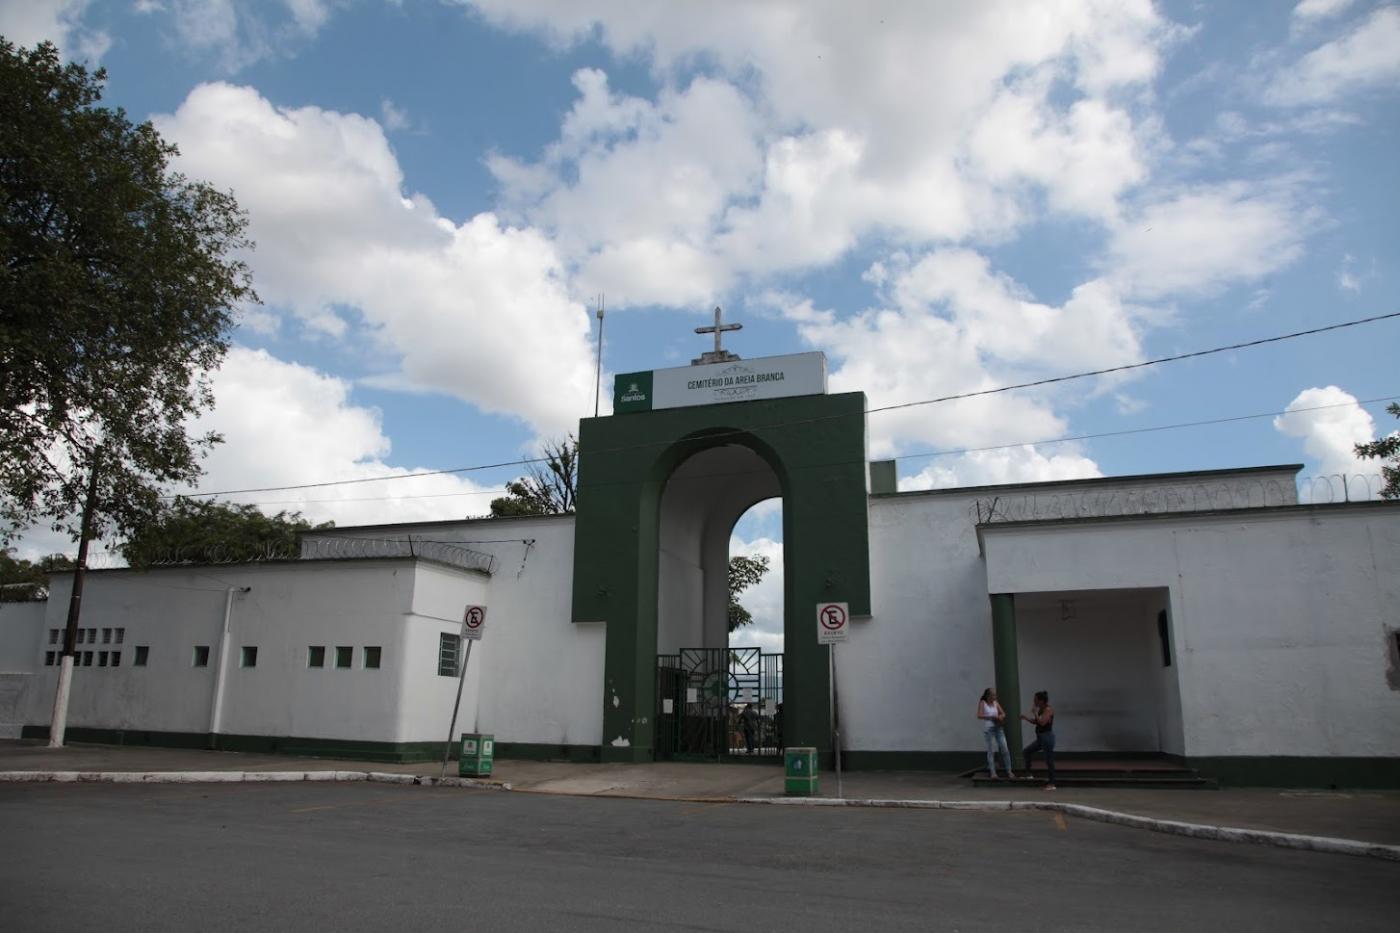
(995, 738)
(1044, 742)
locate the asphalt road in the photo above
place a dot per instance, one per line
(349, 857)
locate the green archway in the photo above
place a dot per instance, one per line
(816, 446)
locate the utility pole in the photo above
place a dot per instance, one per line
(59, 724)
(598, 375)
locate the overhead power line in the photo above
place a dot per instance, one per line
(1051, 380)
(923, 455)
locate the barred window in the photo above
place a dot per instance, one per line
(449, 646)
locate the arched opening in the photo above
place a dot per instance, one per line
(718, 693)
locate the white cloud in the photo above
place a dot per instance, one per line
(1367, 56)
(1329, 434)
(1024, 464)
(1347, 279)
(949, 325)
(818, 124)
(1312, 10)
(764, 601)
(240, 34)
(477, 310)
(393, 116)
(284, 423)
(1201, 239)
(26, 23)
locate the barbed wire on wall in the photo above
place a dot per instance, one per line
(1340, 487)
(1154, 500)
(334, 547)
(1196, 497)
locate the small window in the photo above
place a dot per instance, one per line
(121, 635)
(48, 658)
(249, 657)
(116, 659)
(101, 659)
(82, 635)
(106, 636)
(143, 653)
(316, 656)
(372, 658)
(87, 659)
(344, 655)
(53, 636)
(201, 655)
(448, 646)
(92, 636)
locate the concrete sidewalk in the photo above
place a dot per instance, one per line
(1369, 816)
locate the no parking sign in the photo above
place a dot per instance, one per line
(833, 623)
(474, 622)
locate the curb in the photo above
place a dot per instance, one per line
(239, 777)
(1328, 844)
(1297, 841)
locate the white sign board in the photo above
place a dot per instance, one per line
(833, 623)
(474, 622)
(766, 377)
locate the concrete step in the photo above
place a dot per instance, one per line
(1143, 781)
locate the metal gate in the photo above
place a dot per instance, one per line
(701, 696)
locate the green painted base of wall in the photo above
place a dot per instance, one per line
(1287, 771)
(627, 754)
(854, 760)
(293, 746)
(538, 751)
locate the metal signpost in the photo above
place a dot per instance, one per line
(833, 627)
(473, 624)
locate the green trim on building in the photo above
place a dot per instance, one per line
(292, 746)
(542, 751)
(1007, 666)
(1299, 771)
(816, 447)
(912, 761)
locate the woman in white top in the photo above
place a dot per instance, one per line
(991, 716)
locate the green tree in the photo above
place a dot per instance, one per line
(190, 531)
(1387, 448)
(548, 489)
(22, 580)
(744, 572)
(118, 284)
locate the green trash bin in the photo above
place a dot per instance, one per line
(475, 754)
(800, 772)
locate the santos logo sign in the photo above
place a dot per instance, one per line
(737, 381)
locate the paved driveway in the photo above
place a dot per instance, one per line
(375, 857)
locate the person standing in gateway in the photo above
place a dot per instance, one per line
(1043, 718)
(991, 716)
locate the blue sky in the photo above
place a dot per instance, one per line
(943, 197)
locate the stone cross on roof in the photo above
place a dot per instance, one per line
(719, 354)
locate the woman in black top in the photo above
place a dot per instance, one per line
(1043, 718)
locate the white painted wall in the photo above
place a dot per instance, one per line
(288, 608)
(21, 633)
(910, 675)
(536, 677)
(21, 652)
(1282, 620)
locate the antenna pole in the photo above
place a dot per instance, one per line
(598, 376)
